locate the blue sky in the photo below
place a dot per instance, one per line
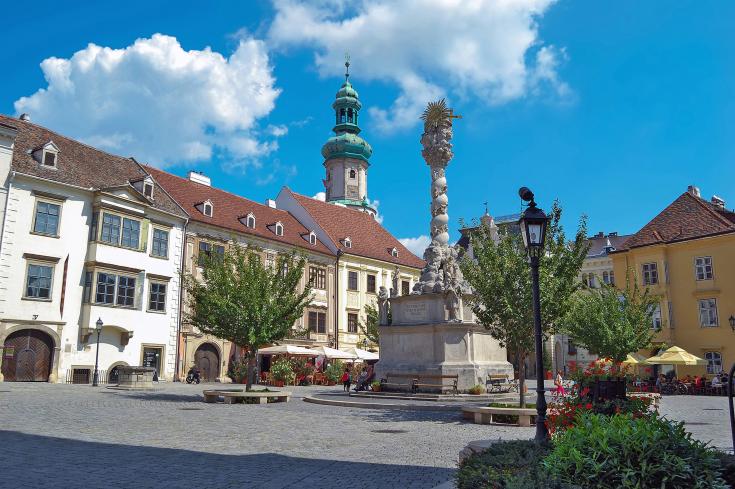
(612, 111)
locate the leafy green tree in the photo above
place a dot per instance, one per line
(501, 278)
(241, 300)
(369, 327)
(612, 323)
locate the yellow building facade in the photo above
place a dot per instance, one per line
(686, 257)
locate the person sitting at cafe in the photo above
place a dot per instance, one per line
(660, 381)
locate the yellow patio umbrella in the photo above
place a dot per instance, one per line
(676, 356)
(635, 359)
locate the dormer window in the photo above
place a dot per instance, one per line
(47, 155)
(250, 221)
(353, 174)
(312, 238)
(49, 158)
(279, 229)
(394, 252)
(205, 208)
(348, 242)
(148, 189)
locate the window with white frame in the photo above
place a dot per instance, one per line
(352, 280)
(394, 252)
(317, 322)
(714, 362)
(49, 158)
(279, 229)
(703, 267)
(148, 190)
(318, 277)
(47, 218)
(348, 242)
(160, 243)
(113, 289)
(708, 313)
(250, 221)
(157, 297)
(207, 209)
(656, 318)
(38, 281)
(371, 283)
(352, 321)
(650, 273)
(312, 238)
(130, 233)
(606, 278)
(120, 231)
(353, 174)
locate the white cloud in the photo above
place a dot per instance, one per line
(484, 49)
(416, 245)
(320, 196)
(277, 131)
(160, 103)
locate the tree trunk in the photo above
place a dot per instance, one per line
(521, 360)
(251, 358)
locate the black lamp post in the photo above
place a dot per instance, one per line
(364, 343)
(732, 322)
(98, 328)
(533, 224)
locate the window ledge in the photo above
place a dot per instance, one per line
(55, 236)
(36, 299)
(113, 245)
(114, 306)
(157, 257)
(153, 311)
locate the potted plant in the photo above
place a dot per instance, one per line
(333, 372)
(375, 385)
(476, 390)
(282, 372)
(238, 372)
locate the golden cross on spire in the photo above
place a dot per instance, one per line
(347, 65)
(452, 116)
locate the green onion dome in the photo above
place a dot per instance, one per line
(346, 145)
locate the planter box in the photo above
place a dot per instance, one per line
(607, 390)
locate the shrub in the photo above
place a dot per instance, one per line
(727, 467)
(334, 371)
(510, 464)
(282, 370)
(238, 371)
(302, 368)
(612, 452)
(476, 389)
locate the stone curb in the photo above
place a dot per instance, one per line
(371, 405)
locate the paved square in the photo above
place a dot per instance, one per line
(79, 436)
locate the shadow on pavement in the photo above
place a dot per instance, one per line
(42, 461)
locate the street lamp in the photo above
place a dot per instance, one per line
(98, 328)
(732, 322)
(533, 224)
(364, 343)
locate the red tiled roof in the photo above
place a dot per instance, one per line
(688, 217)
(369, 238)
(77, 163)
(228, 208)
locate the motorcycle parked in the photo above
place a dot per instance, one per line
(193, 377)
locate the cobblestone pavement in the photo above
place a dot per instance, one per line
(70, 436)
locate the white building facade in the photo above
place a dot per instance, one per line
(86, 236)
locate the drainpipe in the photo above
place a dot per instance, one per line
(7, 201)
(181, 305)
(336, 300)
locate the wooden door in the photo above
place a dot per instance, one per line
(27, 356)
(206, 360)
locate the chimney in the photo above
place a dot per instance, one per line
(718, 201)
(600, 235)
(694, 191)
(25, 117)
(199, 177)
(613, 234)
(270, 203)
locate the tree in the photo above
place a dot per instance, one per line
(241, 300)
(612, 323)
(369, 327)
(501, 280)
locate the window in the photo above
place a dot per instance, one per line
(105, 288)
(49, 158)
(157, 299)
(349, 115)
(160, 243)
(351, 322)
(348, 243)
(612, 277)
(47, 218)
(148, 190)
(110, 229)
(205, 250)
(125, 291)
(405, 287)
(279, 229)
(353, 174)
(714, 362)
(312, 238)
(342, 116)
(606, 278)
(592, 282)
(38, 282)
(656, 318)
(219, 252)
(703, 267)
(131, 233)
(250, 221)
(207, 209)
(650, 273)
(87, 294)
(371, 283)
(708, 313)
(318, 277)
(394, 252)
(352, 280)
(318, 322)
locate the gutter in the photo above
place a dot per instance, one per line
(181, 305)
(5, 216)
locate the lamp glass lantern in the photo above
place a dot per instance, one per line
(533, 224)
(98, 325)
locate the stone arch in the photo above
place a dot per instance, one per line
(207, 358)
(111, 377)
(54, 333)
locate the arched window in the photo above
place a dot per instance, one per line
(207, 209)
(394, 252)
(342, 117)
(312, 238)
(279, 229)
(349, 115)
(348, 242)
(250, 222)
(353, 174)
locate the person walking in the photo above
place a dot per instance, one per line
(346, 380)
(559, 383)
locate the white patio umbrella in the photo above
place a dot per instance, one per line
(293, 350)
(334, 354)
(363, 354)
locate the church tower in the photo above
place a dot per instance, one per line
(346, 154)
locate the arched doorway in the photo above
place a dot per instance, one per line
(27, 356)
(206, 360)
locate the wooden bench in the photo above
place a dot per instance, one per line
(237, 395)
(410, 384)
(484, 415)
(497, 383)
(437, 381)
